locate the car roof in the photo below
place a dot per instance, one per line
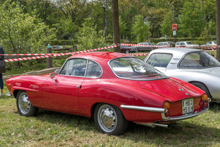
(175, 51)
(99, 55)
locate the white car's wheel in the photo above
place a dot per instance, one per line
(24, 106)
(109, 119)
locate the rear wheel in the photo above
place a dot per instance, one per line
(136, 50)
(109, 119)
(203, 87)
(126, 51)
(24, 106)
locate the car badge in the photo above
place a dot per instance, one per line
(186, 93)
(181, 89)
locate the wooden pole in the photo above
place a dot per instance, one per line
(115, 22)
(217, 8)
(50, 59)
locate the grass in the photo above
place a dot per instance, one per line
(57, 129)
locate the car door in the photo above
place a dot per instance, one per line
(61, 92)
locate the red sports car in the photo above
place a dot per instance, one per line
(114, 88)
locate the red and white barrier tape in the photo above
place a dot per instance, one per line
(138, 54)
(201, 48)
(40, 56)
(140, 45)
(54, 55)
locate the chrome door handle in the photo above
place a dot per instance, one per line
(78, 86)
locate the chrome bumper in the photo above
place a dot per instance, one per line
(163, 111)
(183, 116)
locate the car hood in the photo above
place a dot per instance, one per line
(171, 89)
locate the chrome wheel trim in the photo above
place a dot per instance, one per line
(24, 103)
(107, 118)
(127, 51)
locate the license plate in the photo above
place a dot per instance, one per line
(187, 106)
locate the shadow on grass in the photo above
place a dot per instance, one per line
(179, 133)
(215, 107)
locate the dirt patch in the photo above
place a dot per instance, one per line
(38, 72)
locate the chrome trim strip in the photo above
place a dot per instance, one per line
(149, 109)
(182, 117)
(153, 125)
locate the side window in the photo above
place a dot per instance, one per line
(192, 60)
(159, 60)
(93, 70)
(74, 67)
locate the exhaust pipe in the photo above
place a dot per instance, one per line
(153, 125)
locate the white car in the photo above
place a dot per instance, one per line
(209, 44)
(186, 44)
(191, 65)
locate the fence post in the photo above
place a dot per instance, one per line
(50, 59)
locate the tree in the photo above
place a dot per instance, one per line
(140, 29)
(208, 8)
(122, 26)
(166, 24)
(192, 19)
(21, 33)
(88, 38)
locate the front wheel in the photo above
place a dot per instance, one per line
(109, 119)
(24, 106)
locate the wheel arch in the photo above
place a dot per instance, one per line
(191, 82)
(15, 92)
(94, 106)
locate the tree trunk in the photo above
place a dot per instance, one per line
(217, 3)
(115, 22)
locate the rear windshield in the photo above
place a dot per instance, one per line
(134, 69)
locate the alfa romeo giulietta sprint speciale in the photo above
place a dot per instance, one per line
(113, 88)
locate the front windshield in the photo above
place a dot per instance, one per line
(199, 60)
(188, 42)
(134, 69)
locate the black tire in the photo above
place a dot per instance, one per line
(136, 50)
(126, 51)
(24, 106)
(109, 119)
(203, 87)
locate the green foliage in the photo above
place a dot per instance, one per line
(22, 33)
(122, 26)
(192, 19)
(212, 27)
(140, 29)
(166, 24)
(88, 37)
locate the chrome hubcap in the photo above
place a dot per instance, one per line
(24, 103)
(107, 118)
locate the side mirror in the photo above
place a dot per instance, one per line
(56, 71)
(52, 75)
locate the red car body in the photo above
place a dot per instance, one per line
(142, 102)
